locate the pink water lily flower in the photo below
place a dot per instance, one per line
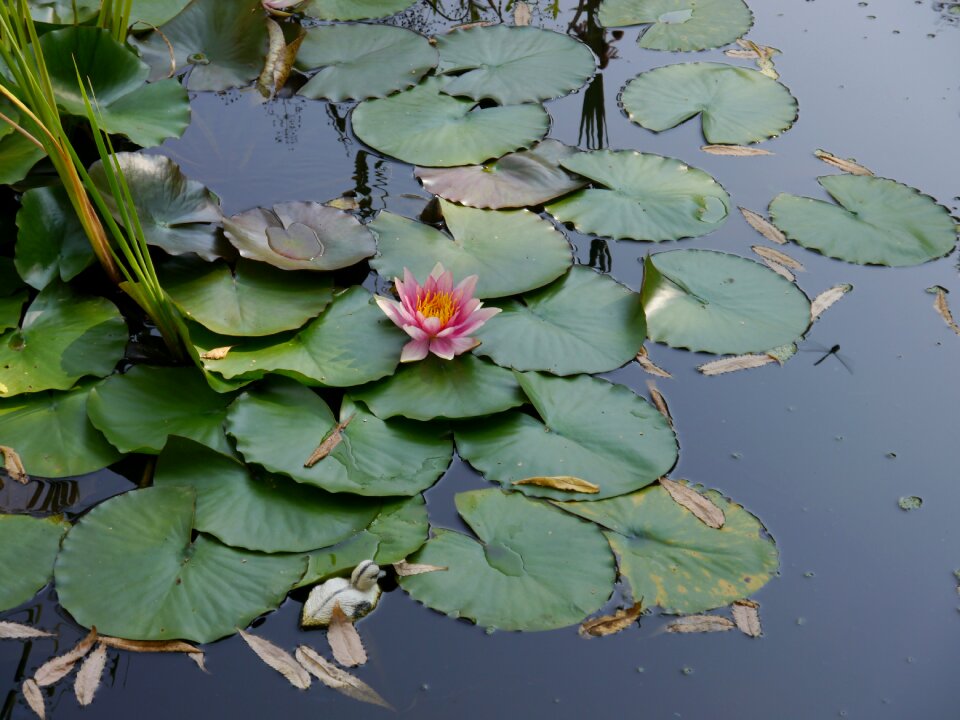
(438, 316)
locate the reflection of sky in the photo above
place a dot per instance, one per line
(873, 632)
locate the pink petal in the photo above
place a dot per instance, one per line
(448, 348)
(392, 309)
(431, 324)
(443, 278)
(466, 287)
(416, 333)
(415, 350)
(477, 319)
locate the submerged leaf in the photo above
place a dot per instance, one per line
(700, 624)
(763, 226)
(89, 675)
(697, 503)
(746, 614)
(279, 659)
(59, 667)
(34, 698)
(825, 300)
(561, 482)
(344, 639)
(338, 679)
(406, 569)
(848, 166)
(941, 305)
(16, 631)
(612, 624)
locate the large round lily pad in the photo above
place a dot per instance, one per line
(512, 65)
(710, 301)
(155, 12)
(589, 429)
(424, 126)
(130, 568)
(252, 299)
(511, 251)
(176, 214)
(736, 105)
(52, 434)
(28, 547)
(17, 156)
(280, 424)
(526, 178)
(352, 342)
(584, 322)
(63, 12)
(875, 222)
(464, 387)
(672, 559)
(139, 410)
(354, 9)
(300, 236)
(356, 62)
(62, 338)
(51, 242)
(641, 197)
(529, 568)
(126, 104)
(680, 24)
(258, 511)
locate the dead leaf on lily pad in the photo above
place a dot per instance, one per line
(848, 166)
(827, 298)
(697, 503)
(337, 678)
(777, 257)
(279, 659)
(14, 465)
(566, 483)
(734, 364)
(734, 150)
(941, 305)
(346, 203)
(700, 624)
(216, 353)
(611, 624)
(659, 401)
(344, 639)
(405, 569)
(34, 698)
(763, 226)
(329, 443)
(60, 666)
(521, 14)
(16, 631)
(746, 614)
(90, 674)
(648, 365)
(279, 60)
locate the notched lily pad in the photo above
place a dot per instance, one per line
(28, 547)
(680, 24)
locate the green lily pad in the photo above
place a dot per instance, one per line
(521, 179)
(51, 242)
(736, 105)
(356, 62)
(63, 12)
(62, 338)
(13, 295)
(680, 24)
(399, 530)
(589, 428)
(52, 434)
(300, 236)
(464, 387)
(672, 559)
(511, 251)
(139, 410)
(28, 547)
(17, 154)
(147, 114)
(259, 511)
(529, 568)
(222, 43)
(280, 423)
(875, 222)
(584, 322)
(253, 299)
(641, 197)
(154, 13)
(513, 65)
(424, 126)
(714, 302)
(354, 9)
(351, 343)
(177, 214)
(130, 568)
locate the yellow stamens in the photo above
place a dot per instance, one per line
(440, 305)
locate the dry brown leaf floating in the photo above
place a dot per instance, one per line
(780, 270)
(659, 401)
(848, 166)
(746, 615)
(150, 646)
(521, 14)
(216, 353)
(346, 203)
(14, 465)
(34, 698)
(90, 674)
(279, 60)
(405, 569)
(763, 226)
(697, 503)
(700, 624)
(328, 444)
(826, 299)
(611, 624)
(648, 365)
(734, 150)
(344, 639)
(566, 483)
(943, 307)
(735, 363)
(337, 678)
(16, 631)
(58, 667)
(279, 659)
(777, 257)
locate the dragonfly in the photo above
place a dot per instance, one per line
(828, 352)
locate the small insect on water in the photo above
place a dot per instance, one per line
(828, 352)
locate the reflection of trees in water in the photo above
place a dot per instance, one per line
(49, 497)
(593, 117)
(287, 119)
(433, 16)
(600, 258)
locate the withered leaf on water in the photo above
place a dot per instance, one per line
(848, 166)
(566, 483)
(217, 353)
(648, 365)
(827, 298)
(610, 624)
(521, 14)
(734, 150)
(34, 698)
(659, 402)
(279, 659)
(685, 496)
(14, 465)
(943, 307)
(199, 659)
(405, 569)
(701, 623)
(58, 667)
(777, 257)
(763, 226)
(89, 675)
(279, 60)
(344, 639)
(337, 678)
(735, 363)
(150, 646)
(344, 203)
(779, 270)
(16, 631)
(328, 444)
(746, 614)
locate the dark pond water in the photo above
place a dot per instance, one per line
(863, 620)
